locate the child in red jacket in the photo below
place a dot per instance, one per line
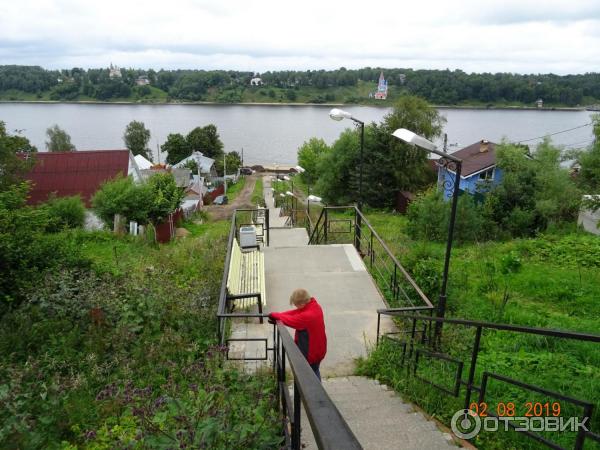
(307, 320)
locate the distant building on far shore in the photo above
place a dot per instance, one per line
(382, 88)
(539, 103)
(114, 71)
(142, 81)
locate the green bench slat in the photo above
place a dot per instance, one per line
(246, 275)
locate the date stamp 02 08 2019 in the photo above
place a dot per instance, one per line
(510, 409)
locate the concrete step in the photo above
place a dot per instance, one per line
(287, 237)
(379, 418)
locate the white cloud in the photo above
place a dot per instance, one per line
(508, 35)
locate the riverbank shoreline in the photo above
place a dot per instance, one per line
(129, 103)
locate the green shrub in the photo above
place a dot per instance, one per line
(122, 196)
(429, 216)
(165, 196)
(26, 252)
(64, 212)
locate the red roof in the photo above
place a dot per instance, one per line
(476, 157)
(73, 173)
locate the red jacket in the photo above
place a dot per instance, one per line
(310, 329)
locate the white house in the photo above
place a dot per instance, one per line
(206, 165)
(142, 81)
(256, 81)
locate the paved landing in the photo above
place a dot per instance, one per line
(337, 278)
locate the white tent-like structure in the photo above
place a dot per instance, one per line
(142, 162)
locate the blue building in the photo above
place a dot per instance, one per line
(479, 172)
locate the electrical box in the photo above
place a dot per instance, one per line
(248, 236)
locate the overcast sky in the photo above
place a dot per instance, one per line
(523, 36)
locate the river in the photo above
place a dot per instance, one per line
(272, 134)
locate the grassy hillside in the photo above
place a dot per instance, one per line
(552, 281)
(122, 352)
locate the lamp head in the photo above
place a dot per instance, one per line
(412, 138)
(289, 193)
(314, 198)
(339, 114)
(300, 169)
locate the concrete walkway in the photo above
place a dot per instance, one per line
(338, 278)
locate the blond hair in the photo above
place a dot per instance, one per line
(299, 297)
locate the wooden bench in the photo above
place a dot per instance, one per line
(246, 280)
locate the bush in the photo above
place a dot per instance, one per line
(429, 216)
(64, 212)
(26, 253)
(165, 196)
(121, 196)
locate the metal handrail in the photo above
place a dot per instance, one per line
(412, 350)
(323, 222)
(499, 326)
(330, 430)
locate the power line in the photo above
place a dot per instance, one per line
(558, 132)
(579, 143)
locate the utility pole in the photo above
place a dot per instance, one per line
(445, 142)
(242, 156)
(225, 172)
(158, 151)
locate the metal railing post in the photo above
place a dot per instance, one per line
(378, 328)
(268, 225)
(296, 426)
(474, 354)
(326, 224)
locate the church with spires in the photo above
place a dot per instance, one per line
(382, 88)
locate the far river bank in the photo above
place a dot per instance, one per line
(153, 103)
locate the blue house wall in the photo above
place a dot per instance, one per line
(471, 184)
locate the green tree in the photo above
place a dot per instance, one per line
(389, 165)
(166, 196)
(177, 148)
(337, 170)
(136, 139)
(589, 175)
(206, 140)
(233, 160)
(122, 196)
(309, 155)
(535, 191)
(13, 166)
(59, 140)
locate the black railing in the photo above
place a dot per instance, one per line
(224, 309)
(416, 342)
(335, 225)
(329, 428)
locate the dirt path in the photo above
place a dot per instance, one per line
(224, 212)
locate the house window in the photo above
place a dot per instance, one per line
(487, 175)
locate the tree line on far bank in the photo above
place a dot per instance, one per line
(536, 191)
(442, 87)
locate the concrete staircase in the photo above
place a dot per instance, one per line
(379, 418)
(338, 278)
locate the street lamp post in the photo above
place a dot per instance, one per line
(448, 162)
(313, 198)
(339, 114)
